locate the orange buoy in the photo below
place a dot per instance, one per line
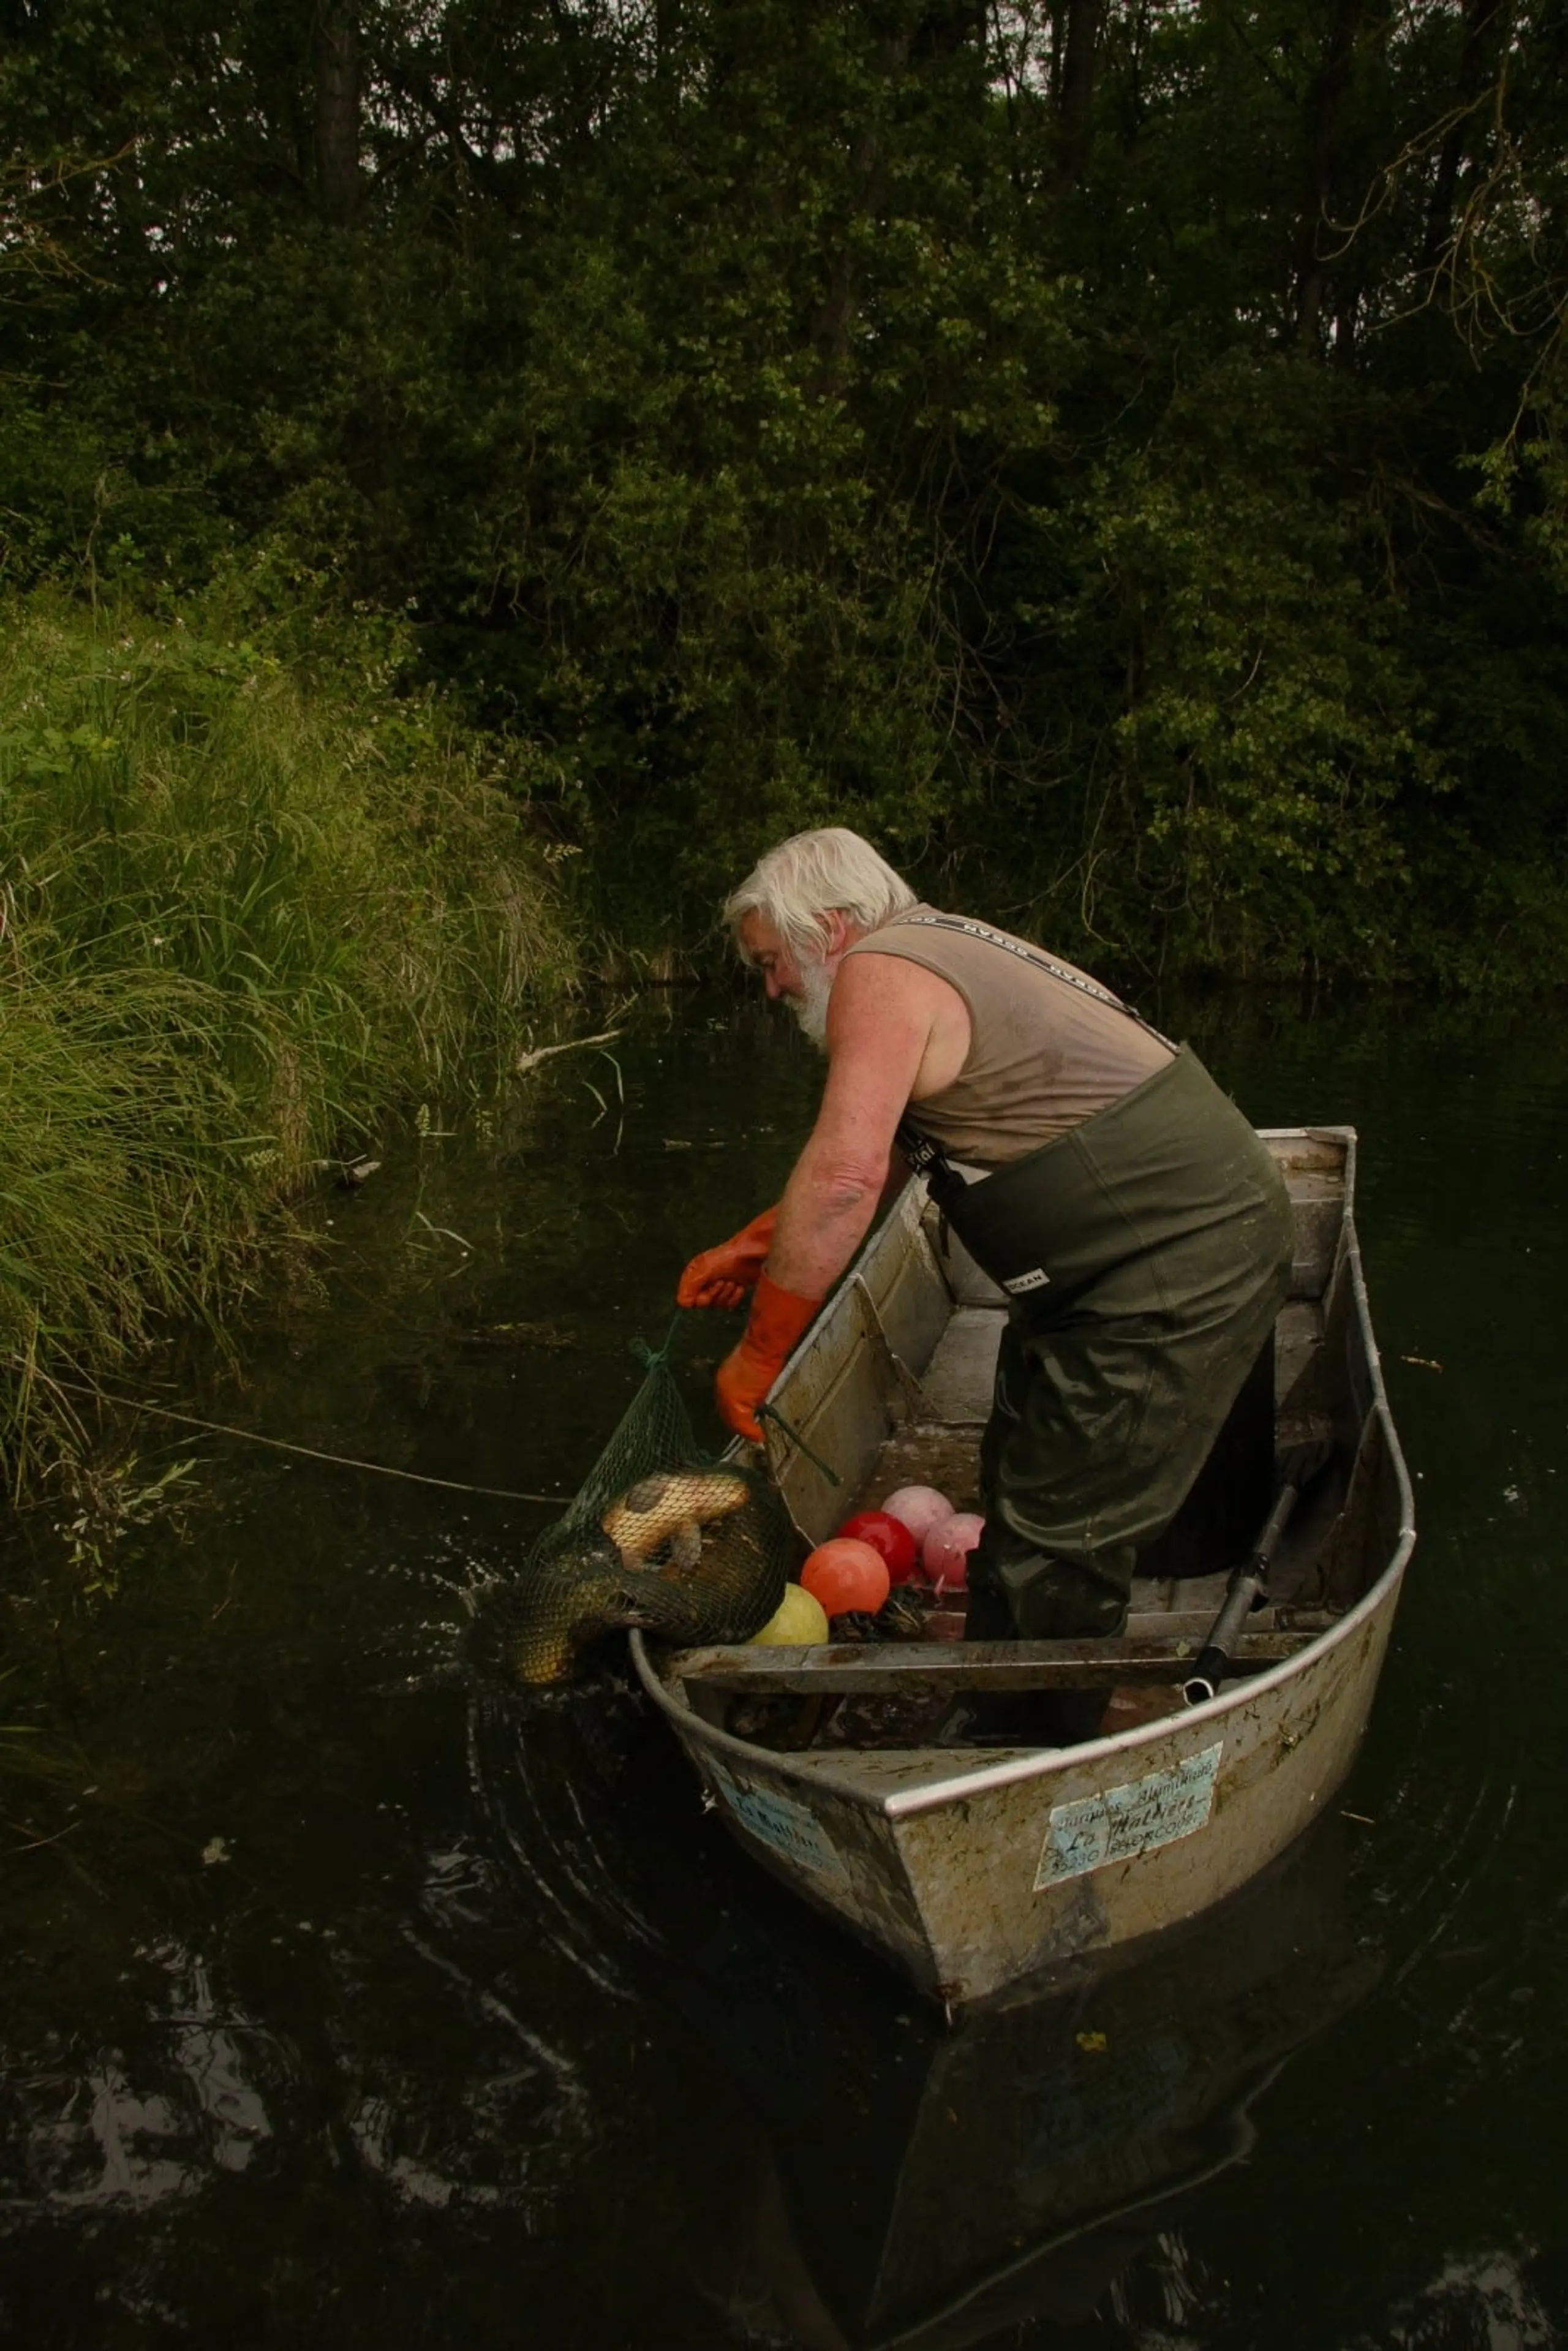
(847, 1576)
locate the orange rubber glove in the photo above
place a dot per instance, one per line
(777, 1318)
(722, 1276)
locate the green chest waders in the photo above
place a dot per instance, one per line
(1145, 1255)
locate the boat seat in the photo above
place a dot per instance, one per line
(1158, 1650)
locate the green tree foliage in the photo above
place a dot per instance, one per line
(1110, 450)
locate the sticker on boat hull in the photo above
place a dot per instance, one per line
(1128, 1820)
(776, 1821)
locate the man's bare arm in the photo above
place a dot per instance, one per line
(880, 1022)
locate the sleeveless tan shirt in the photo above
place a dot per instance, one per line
(1043, 1055)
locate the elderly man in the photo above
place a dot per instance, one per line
(1141, 1230)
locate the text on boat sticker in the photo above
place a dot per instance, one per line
(775, 1820)
(1126, 1822)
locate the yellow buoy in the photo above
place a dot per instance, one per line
(799, 1621)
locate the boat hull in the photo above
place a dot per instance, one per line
(969, 1884)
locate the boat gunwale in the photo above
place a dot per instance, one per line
(900, 1804)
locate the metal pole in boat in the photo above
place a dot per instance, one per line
(1300, 1464)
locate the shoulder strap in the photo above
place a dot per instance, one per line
(923, 1154)
(1078, 979)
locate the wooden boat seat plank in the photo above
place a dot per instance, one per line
(958, 1380)
(1298, 1334)
(884, 1667)
(1316, 1187)
(1187, 1595)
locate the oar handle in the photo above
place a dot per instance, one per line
(1240, 1594)
(1214, 1658)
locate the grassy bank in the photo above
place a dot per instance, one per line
(248, 908)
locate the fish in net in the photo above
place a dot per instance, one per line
(656, 1538)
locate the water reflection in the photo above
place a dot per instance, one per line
(1039, 2163)
(852, 2172)
(1060, 2137)
(131, 2128)
(1488, 2300)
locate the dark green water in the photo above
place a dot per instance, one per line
(347, 2004)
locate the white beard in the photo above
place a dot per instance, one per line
(810, 1007)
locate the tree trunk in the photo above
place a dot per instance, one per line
(947, 27)
(666, 41)
(835, 316)
(338, 110)
(1054, 61)
(1076, 89)
(1324, 105)
(944, 31)
(1482, 17)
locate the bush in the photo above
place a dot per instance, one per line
(244, 914)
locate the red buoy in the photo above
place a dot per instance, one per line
(887, 1535)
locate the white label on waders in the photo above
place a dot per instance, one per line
(775, 1820)
(1126, 1822)
(1038, 1279)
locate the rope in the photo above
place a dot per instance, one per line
(764, 1411)
(652, 1359)
(308, 1452)
(770, 1412)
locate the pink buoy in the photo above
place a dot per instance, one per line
(944, 1554)
(919, 1508)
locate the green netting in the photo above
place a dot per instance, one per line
(658, 1535)
(654, 1433)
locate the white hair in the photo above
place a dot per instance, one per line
(812, 875)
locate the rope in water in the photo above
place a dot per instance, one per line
(308, 1452)
(648, 1356)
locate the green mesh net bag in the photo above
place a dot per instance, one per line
(658, 1537)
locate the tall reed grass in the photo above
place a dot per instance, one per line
(243, 915)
